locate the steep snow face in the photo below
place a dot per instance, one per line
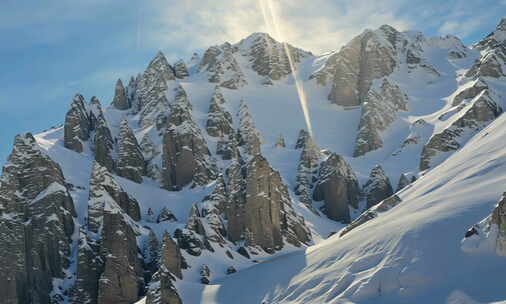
(410, 253)
(427, 104)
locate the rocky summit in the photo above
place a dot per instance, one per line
(201, 181)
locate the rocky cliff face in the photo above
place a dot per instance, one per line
(378, 187)
(186, 157)
(269, 58)
(490, 233)
(476, 105)
(351, 71)
(219, 120)
(308, 167)
(78, 124)
(103, 143)
(378, 112)
(130, 159)
(120, 101)
(249, 137)
(108, 267)
(37, 220)
(260, 211)
(338, 187)
(222, 67)
(474, 116)
(152, 83)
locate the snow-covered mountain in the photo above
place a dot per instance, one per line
(200, 183)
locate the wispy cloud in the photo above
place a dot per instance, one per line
(317, 25)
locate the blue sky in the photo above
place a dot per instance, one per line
(51, 49)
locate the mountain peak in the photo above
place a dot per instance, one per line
(388, 28)
(502, 24)
(256, 37)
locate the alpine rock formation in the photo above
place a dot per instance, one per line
(200, 182)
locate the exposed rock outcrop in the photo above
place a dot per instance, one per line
(490, 233)
(280, 142)
(186, 158)
(130, 159)
(222, 67)
(470, 92)
(260, 210)
(180, 70)
(474, 115)
(109, 269)
(152, 84)
(378, 112)
(369, 56)
(103, 143)
(302, 139)
(120, 100)
(148, 148)
(307, 169)
(338, 187)
(268, 57)
(248, 135)
(378, 187)
(403, 182)
(171, 256)
(219, 120)
(372, 213)
(166, 215)
(37, 222)
(78, 124)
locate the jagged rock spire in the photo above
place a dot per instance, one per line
(219, 120)
(148, 147)
(180, 70)
(185, 157)
(352, 70)
(120, 100)
(378, 186)
(171, 255)
(109, 269)
(213, 210)
(222, 67)
(302, 139)
(153, 83)
(162, 290)
(77, 124)
(130, 159)
(103, 143)
(378, 112)
(247, 133)
(36, 224)
(227, 148)
(338, 187)
(151, 253)
(269, 57)
(307, 168)
(280, 142)
(107, 194)
(260, 212)
(403, 182)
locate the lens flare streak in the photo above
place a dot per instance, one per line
(271, 21)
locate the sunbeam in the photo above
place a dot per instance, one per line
(271, 22)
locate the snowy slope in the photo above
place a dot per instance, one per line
(410, 254)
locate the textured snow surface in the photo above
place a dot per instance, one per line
(409, 254)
